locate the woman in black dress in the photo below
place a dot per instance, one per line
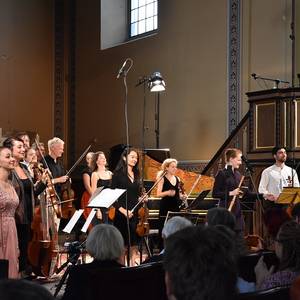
(101, 177)
(168, 189)
(127, 176)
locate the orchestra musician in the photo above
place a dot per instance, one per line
(127, 176)
(26, 191)
(9, 202)
(276, 177)
(56, 149)
(101, 177)
(168, 189)
(226, 186)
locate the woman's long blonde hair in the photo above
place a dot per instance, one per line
(166, 163)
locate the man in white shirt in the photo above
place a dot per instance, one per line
(276, 177)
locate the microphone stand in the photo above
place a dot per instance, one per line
(124, 74)
(249, 171)
(276, 81)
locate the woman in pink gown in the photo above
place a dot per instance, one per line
(8, 203)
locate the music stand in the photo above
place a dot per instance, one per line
(289, 195)
(195, 217)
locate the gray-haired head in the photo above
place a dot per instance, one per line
(175, 224)
(105, 242)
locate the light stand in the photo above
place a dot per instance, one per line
(157, 106)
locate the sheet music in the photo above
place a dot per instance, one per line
(106, 197)
(88, 220)
(73, 221)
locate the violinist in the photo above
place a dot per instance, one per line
(40, 150)
(277, 176)
(226, 186)
(26, 191)
(127, 176)
(101, 177)
(30, 160)
(56, 149)
(168, 189)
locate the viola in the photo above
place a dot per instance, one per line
(184, 203)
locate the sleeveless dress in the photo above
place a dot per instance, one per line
(168, 203)
(8, 233)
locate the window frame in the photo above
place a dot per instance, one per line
(141, 35)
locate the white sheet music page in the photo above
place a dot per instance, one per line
(88, 220)
(106, 198)
(73, 221)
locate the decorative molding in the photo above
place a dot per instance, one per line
(59, 17)
(233, 44)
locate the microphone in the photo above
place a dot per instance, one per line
(121, 71)
(254, 76)
(247, 163)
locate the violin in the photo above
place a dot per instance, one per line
(68, 196)
(142, 228)
(184, 203)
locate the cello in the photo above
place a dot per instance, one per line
(42, 249)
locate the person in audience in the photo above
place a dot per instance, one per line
(287, 249)
(295, 289)
(221, 216)
(200, 263)
(12, 289)
(173, 225)
(106, 245)
(273, 219)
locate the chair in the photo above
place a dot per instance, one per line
(142, 282)
(246, 264)
(278, 293)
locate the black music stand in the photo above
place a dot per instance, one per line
(195, 217)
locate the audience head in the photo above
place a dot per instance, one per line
(296, 212)
(196, 260)
(175, 224)
(105, 242)
(233, 157)
(287, 246)
(56, 147)
(12, 289)
(273, 218)
(220, 216)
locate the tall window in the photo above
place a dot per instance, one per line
(143, 16)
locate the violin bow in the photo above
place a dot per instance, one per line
(192, 189)
(150, 190)
(79, 160)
